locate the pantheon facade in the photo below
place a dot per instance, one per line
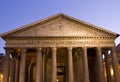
(60, 48)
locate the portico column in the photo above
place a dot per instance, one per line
(39, 68)
(7, 66)
(54, 65)
(12, 69)
(44, 65)
(107, 61)
(22, 65)
(100, 65)
(70, 65)
(115, 65)
(85, 61)
(17, 70)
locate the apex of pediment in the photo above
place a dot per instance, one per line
(59, 25)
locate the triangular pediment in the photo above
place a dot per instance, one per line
(59, 25)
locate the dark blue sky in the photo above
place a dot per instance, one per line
(16, 13)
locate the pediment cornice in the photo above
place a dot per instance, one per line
(58, 18)
(63, 38)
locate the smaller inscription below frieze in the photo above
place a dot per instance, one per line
(59, 42)
(30, 43)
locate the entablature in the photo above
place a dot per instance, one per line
(57, 41)
(62, 38)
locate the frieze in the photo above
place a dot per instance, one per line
(57, 43)
(48, 42)
(60, 42)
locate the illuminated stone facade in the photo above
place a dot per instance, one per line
(118, 55)
(2, 58)
(60, 48)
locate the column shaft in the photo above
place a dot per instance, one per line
(22, 65)
(100, 65)
(107, 66)
(70, 65)
(12, 69)
(115, 65)
(86, 70)
(7, 66)
(44, 67)
(78, 69)
(17, 70)
(54, 65)
(39, 68)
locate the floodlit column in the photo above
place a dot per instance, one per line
(70, 65)
(44, 65)
(22, 65)
(100, 66)
(39, 68)
(115, 65)
(54, 65)
(107, 66)
(12, 69)
(7, 66)
(85, 61)
(78, 70)
(17, 70)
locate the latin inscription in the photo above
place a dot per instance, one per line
(60, 42)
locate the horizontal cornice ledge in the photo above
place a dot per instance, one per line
(61, 37)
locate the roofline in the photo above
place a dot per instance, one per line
(117, 35)
(92, 25)
(28, 25)
(57, 15)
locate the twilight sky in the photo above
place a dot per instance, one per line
(17, 13)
